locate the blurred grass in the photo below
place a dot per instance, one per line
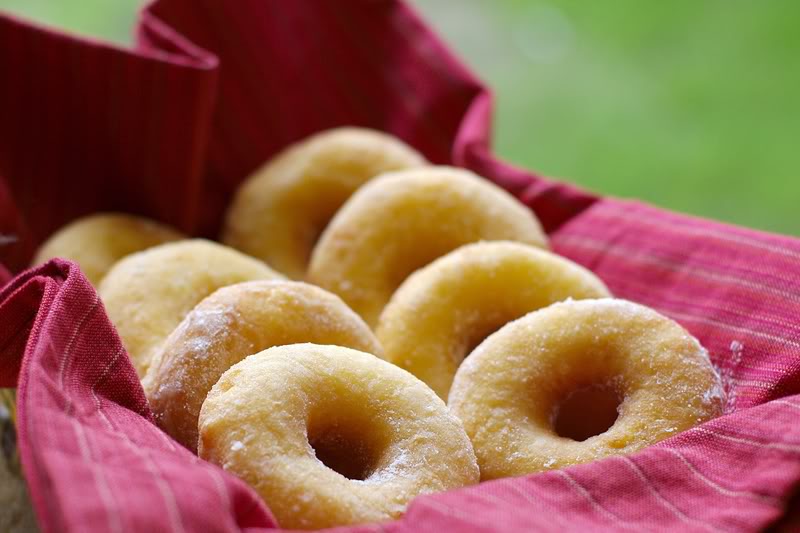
(691, 105)
(107, 19)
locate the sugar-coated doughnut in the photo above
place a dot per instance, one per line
(232, 323)
(98, 241)
(148, 293)
(578, 381)
(331, 436)
(402, 221)
(279, 212)
(445, 309)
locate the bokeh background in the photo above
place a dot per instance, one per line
(692, 105)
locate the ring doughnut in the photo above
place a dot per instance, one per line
(331, 436)
(278, 213)
(232, 323)
(578, 381)
(402, 221)
(148, 293)
(98, 241)
(445, 309)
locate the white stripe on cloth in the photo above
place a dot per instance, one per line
(782, 446)
(679, 226)
(584, 492)
(100, 481)
(763, 498)
(166, 492)
(629, 253)
(661, 499)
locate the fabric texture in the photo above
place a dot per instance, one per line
(211, 90)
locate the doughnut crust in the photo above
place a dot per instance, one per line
(232, 323)
(98, 241)
(271, 416)
(445, 309)
(509, 390)
(402, 221)
(278, 213)
(148, 293)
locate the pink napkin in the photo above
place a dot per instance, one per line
(211, 90)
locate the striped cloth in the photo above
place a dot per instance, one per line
(212, 89)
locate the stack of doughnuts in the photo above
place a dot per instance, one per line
(372, 328)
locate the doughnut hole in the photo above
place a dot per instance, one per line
(342, 450)
(309, 212)
(587, 411)
(478, 333)
(313, 232)
(347, 440)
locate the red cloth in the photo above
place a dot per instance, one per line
(213, 89)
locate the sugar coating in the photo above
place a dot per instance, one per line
(728, 370)
(401, 221)
(98, 241)
(506, 390)
(276, 401)
(148, 293)
(446, 308)
(232, 323)
(279, 211)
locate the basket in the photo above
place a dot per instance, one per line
(211, 90)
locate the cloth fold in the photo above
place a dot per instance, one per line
(93, 458)
(211, 89)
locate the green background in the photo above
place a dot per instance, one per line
(690, 104)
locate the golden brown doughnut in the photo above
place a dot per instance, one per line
(98, 241)
(232, 323)
(579, 381)
(332, 436)
(279, 212)
(445, 309)
(148, 293)
(402, 221)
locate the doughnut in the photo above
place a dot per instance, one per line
(148, 293)
(330, 436)
(232, 323)
(98, 241)
(402, 221)
(578, 381)
(445, 309)
(278, 213)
